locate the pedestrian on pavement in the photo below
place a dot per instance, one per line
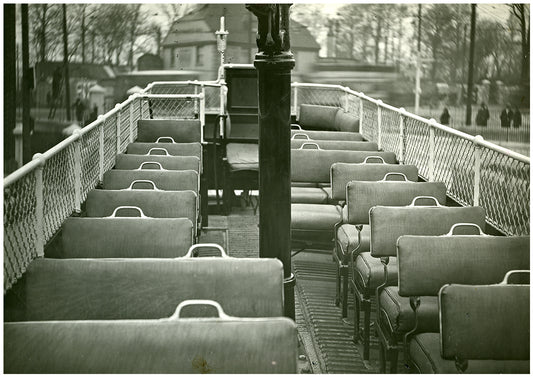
(517, 118)
(445, 117)
(482, 115)
(506, 116)
(79, 106)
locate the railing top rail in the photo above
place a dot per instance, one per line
(172, 96)
(188, 82)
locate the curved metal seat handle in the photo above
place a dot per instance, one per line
(154, 187)
(165, 138)
(514, 272)
(374, 157)
(310, 144)
(204, 245)
(295, 126)
(394, 173)
(158, 149)
(150, 163)
(454, 226)
(437, 204)
(114, 214)
(186, 303)
(295, 136)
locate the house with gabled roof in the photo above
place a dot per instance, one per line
(191, 41)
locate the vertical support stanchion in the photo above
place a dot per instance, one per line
(477, 169)
(101, 151)
(431, 162)
(401, 154)
(379, 123)
(274, 62)
(202, 113)
(361, 114)
(117, 122)
(295, 101)
(132, 99)
(196, 109)
(77, 172)
(39, 207)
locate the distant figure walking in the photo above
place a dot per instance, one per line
(482, 115)
(517, 118)
(445, 117)
(79, 106)
(506, 116)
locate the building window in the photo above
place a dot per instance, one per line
(200, 56)
(185, 57)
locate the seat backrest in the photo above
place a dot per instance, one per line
(134, 161)
(342, 173)
(144, 288)
(173, 149)
(485, 322)
(317, 117)
(169, 346)
(426, 263)
(125, 237)
(330, 135)
(361, 196)
(172, 180)
(336, 144)
(182, 131)
(312, 165)
(389, 223)
(162, 204)
(345, 121)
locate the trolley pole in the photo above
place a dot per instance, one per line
(274, 62)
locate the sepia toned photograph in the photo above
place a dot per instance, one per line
(237, 188)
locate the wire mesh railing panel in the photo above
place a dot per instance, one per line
(145, 109)
(173, 88)
(369, 123)
(390, 131)
(124, 127)
(352, 104)
(504, 192)
(320, 96)
(454, 165)
(90, 161)
(171, 108)
(136, 115)
(19, 228)
(110, 142)
(417, 145)
(58, 190)
(212, 99)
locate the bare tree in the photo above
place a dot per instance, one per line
(521, 12)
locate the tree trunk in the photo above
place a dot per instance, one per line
(82, 36)
(377, 39)
(43, 33)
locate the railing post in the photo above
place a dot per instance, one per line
(222, 106)
(477, 168)
(379, 123)
(196, 110)
(101, 151)
(431, 162)
(361, 112)
(401, 154)
(117, 120)
(295, 101)
(77, 172)
(132, 99)
(39, 207)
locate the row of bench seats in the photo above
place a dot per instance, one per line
(369, 207)
(126, 293)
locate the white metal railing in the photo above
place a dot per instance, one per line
(40, 195)
(476, 172)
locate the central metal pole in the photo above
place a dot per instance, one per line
(274, 63)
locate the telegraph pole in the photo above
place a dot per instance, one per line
(418, 62)
(26, 83)
(65, 62)
(274, 62)
(468, 121)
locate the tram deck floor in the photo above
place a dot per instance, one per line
(325, 338)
